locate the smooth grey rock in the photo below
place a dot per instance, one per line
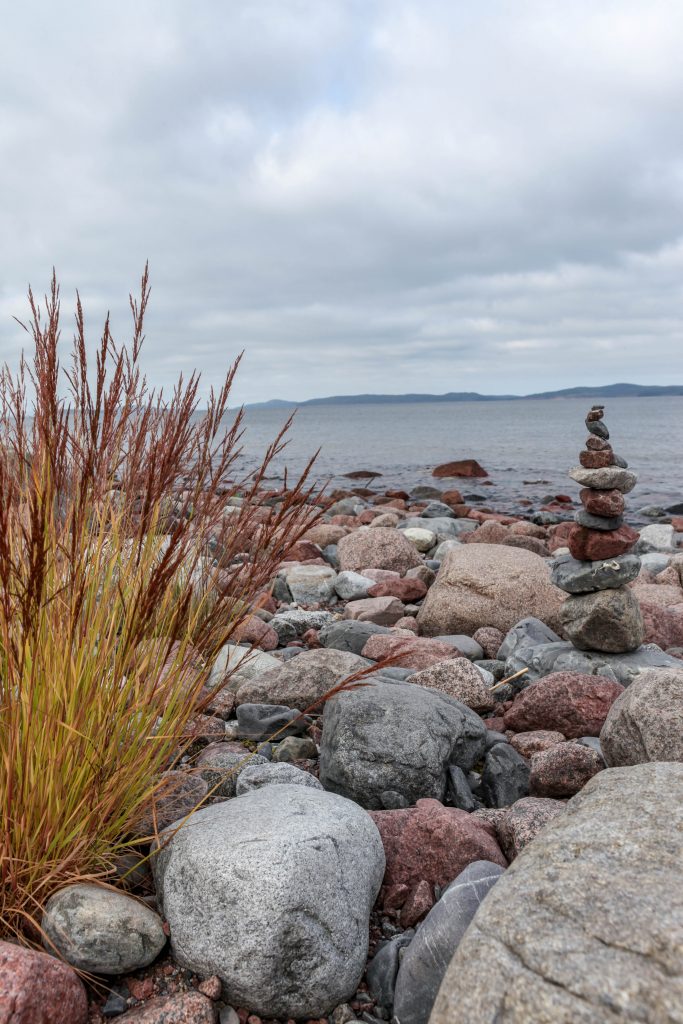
(592, 522)
(221, 769)
(645, 723)
(505, 778)
(564, 657)
(575, 577)
(656, 537)
(425, 961)
(458, 790)
(303, 682)
(607, 478)
(606, 620)
(272, 892)
(352, 586)
(444, 528)
(100, 930)
(329, 553)
(395, 736)
(655, 561)
(349, 634)
(292, 624)
(276, 774)
(442, 549)
(437, 510)
(527, 631)
(347, 507)
(586, 925)
(465, 644)
(261, 721)
(311, 584)
(237, 664)
(383, 968)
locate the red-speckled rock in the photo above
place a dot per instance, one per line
(663, 626)
(563, 770)
(383, 611)
(404, 589)
(490, 532)
(602, 503)
(36, 988)
(528, 743)
(257, 632)
(522, 822)
(419, 902)
(593, 545)
(407, 622)
(187, 1008)
(571, 703)
(489, 639)
(408, 650)
(378, 548)
(432, 843)
(596, 460)
(458, 678)
(463, 467)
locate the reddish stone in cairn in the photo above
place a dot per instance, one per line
(602, 503)
(596, 460)
(36, 988)
(563, 770)
(597, 444)
(432, 843)
(405, 589)
(593, 545)
(595, 414)
(571, 703)
(462, 467)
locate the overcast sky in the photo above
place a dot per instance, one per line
(365, 195)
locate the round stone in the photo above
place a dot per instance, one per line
(592, 522)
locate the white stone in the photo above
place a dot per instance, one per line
(423, 540)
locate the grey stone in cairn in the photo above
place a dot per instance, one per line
(601, 613)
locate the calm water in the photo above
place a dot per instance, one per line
(527, 447)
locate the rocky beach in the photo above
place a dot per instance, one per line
(440, 779)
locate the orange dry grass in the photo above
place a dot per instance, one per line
(111, 501)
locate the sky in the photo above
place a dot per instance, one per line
(363, 195)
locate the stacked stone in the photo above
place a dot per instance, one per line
(601, 612)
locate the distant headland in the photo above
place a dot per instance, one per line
(606, 391)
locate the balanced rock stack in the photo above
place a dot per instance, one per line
(601, 613)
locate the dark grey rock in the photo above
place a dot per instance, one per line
(598, 428)
(586, 926)
(564, 657)
(458, 792)
(261, 721)
(592, 522)
(397, 737)
(492, 665)
(438, 509)
(427, 957)
(605, 620)
(465, 644)
(331, 556)
(349, 635)
(619, 461)
(505, 778)
(281, 591)
(493, 737)
(527, 632)
(383, 968)
(575, 577)
(424, 492)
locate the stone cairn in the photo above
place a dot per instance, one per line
(601, 613)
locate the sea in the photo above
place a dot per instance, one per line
(526, 446)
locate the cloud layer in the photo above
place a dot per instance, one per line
(366, 195)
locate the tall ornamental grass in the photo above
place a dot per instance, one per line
(123, 570)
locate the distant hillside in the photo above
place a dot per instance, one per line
(606, 391)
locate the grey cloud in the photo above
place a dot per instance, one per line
(381, 195)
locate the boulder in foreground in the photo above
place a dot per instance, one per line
(36, 988)
(272, 892)
(586, 926)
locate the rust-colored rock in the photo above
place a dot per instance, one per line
(593, 545)
(405, 589)
(432, 843)
(570, 703)
(36, 988)
(462, 467)
(602, 503)
(596, 460)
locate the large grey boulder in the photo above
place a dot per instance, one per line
(100, 930)
(396, 739)
(425, 961)
(586, 926)
(303, 681)
(272, 892)
(645, 723)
